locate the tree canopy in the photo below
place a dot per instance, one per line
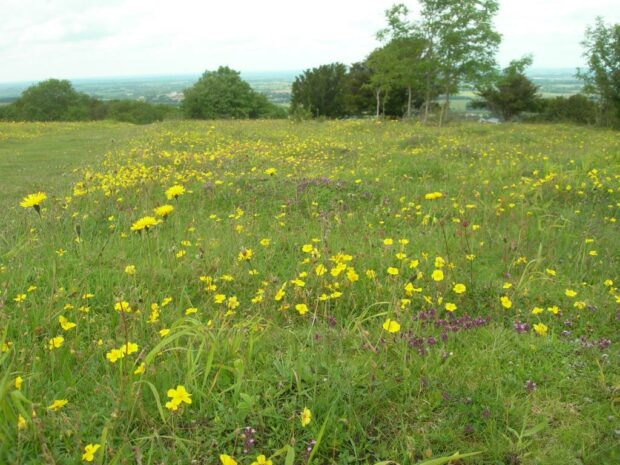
(223, 94)
(510, 92)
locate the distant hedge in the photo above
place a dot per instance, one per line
(57, 100)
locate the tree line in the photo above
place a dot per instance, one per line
(424, 61)
(219, 94)
(421, 64)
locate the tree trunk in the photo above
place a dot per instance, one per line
(378, 96)
(427, 98)
(409, 98)
(445, 111)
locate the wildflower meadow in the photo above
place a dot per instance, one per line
(339, 292)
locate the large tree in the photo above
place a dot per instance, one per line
(511, 92)
(464, 41)
(602, 78)
(223, 94)
(321, 91)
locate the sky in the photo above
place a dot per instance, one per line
(69, 39)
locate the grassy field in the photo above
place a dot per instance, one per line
(328, 293)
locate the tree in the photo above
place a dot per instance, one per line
(415, 62)
(321, 91)
(384, 77)
(602, 78)
(463, 41)
(511, 92)
(358, 95)
(52, 100)
(223, 94)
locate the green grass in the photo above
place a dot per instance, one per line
(527, 212)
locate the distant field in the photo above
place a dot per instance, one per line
(340, 292)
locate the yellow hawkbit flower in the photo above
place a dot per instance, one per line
(301, 308)
(33, 201)
(175, 192)
(163, 211)
(506, 302)
(437, 275)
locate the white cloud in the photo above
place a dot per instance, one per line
(82, 38)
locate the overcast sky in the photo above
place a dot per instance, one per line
(92, 38)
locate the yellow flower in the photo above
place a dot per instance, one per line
(114, 355)
(58, 404)
(450, 307)
(550, 272)
(245, 254)
(437, 275)
(163, 211)
(388, 241)
(18, 382)
(177, 397)
(89, 452)
(433, 196)
(20, 298)
(459, 288)
(122, 306)
(65, 323)
(140, 369)
(541, 329)
(262, 460)
(21, 423)
(130, 270)
(175, 192)
(56, 342)
(270, 171)
(164, 332)
(506, 302)
(307, 248)
(33, 200)
(265, 242)
(392, 271)
(301, 308)
(144, 223)
(570, 293)
(129, 348)
(306, 417)
(537, 310)
(391, 326)
(191, 310)
(279, 295)
(227, 460)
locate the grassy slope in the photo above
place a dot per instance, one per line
(372, 394)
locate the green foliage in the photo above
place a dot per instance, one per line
(579, 109)
(52, 100)
(134, 111)
(55, 100)
(511, 92)
(223, 94)
(321, 91)
(602, 78)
